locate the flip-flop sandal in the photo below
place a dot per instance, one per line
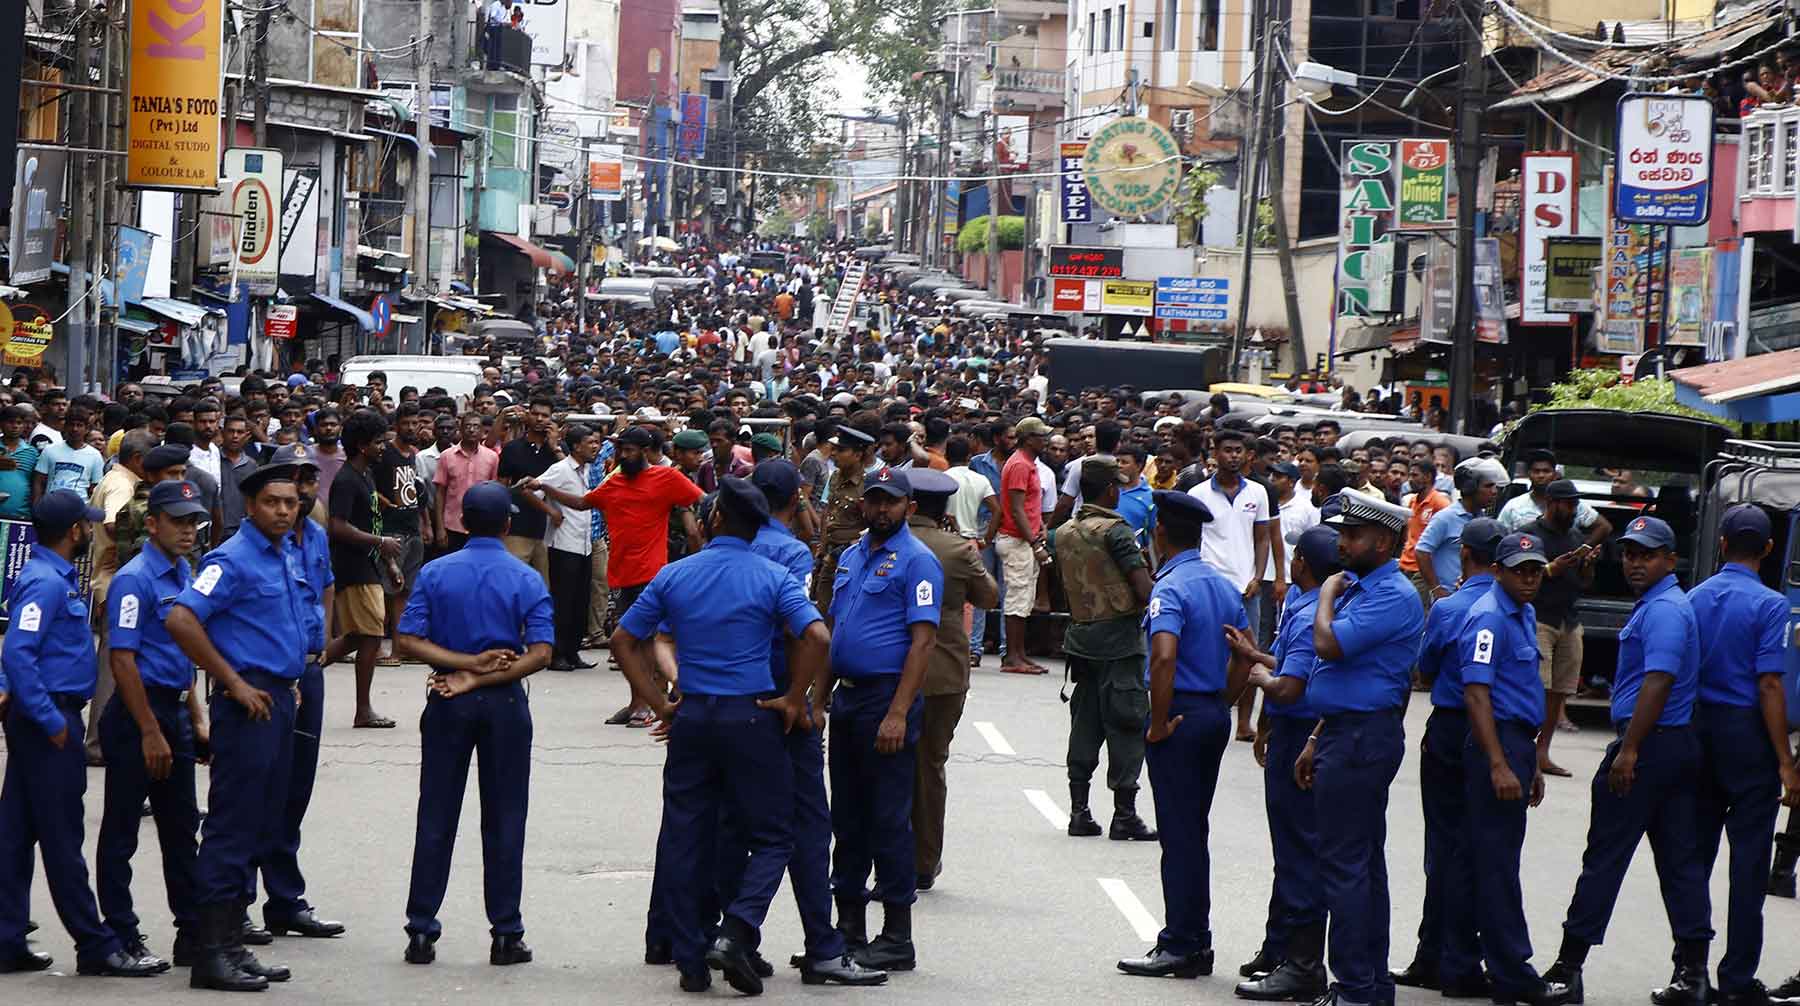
(378, 723)
(1558, 771)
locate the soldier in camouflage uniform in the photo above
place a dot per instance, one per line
(843, 509)
(167, 463)
(1108, 584)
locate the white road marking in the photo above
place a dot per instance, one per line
(1129, 906)
(1047, 807)
(995, 742)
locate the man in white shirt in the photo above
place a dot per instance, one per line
(204, 455)
(568, 543)
(973, 491)
(1237, 541)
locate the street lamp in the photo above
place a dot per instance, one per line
(1317, 79)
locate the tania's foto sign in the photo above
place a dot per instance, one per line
(172, 132)
(1664, 173)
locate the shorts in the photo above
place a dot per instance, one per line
(1559, 658)
(360, 609)
(411, 559)
(1018, 561)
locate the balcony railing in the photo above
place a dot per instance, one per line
(1029, 80)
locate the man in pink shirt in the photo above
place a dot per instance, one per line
(1017, 533)
(468, 463)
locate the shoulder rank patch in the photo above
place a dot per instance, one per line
(30, 617)
(208, 579)
(922, 593)
(128, 612)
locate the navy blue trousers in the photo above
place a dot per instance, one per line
(872, 794)
(1293, 836)
(1663, 803)
(40, 805)
(172, 805)
(1483, 880)
(1356, 760)
(726, 757)
(1184, 773)
(281, 869)
(1740, 798)
(251, 765)
(494, 726)
(1446, 926)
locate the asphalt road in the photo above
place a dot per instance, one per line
(1022, 912)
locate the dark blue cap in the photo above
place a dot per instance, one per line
(164, 455)
(1173, 504)
(252, 483)
(892, 481)
(850, 436)
(1562, 489)
(926, 482)
(178, 499)
(778, 479)
(1318, 545)
(1519, 548)
(298, 455)
(1332, 506)
(1745, 520)
(488, 502)
(1649, 532)
(1482, 536)
(61, 509)
(743, 500)
(1286, 468)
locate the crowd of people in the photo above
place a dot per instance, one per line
(796, 545)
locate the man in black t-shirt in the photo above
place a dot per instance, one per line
(1571, 571)
(405, 514)
(359, 549)
(528, 457)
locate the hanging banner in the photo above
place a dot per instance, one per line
(31, 335)
(1665, 154)
(690, 134)
(1569, 281)
(1628, 276)
(172, 85)
(1425, 184)
(256, 179)
(36, 207)
(1547, 192)
(1490, 293)
(606, 174)
(1071, 190)
(298, 254)
(1437, 305)
(1725, 328)
(1690, 297)
(282, 321)
(134, 265)
(1365, 273)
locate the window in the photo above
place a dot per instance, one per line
(503, 138)
(1106, 31)
(1122, 29)
(1090, 33)
(1171, 17)
(1209, 25)
(1790, 132)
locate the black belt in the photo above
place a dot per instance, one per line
(1450, 711)
(68, 701)
(1621, 726)
(1335, 719)
(868, 680)
(164, 693)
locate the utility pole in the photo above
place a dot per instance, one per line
(993, 220)
(421, 187)
(940, 186)
(1471, 87)
(1275, 137)
(260, 124)
(472, 246)
(1250, 178)
(584, 222)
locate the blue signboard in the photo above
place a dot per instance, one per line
(1072, 186)
(1664, 167)
(1176, 312)
(1193, 298)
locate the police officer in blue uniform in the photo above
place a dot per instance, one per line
(483, 622)
(885, 606)
(47, 673)
(723, 606)
(146, 731)
(1290, 966)
(1743, 722)
(1366, 631)
(1497, 664)
(1449, 958)
(286, 910)
(243, 622)
(1194, 680)
(1649, 780)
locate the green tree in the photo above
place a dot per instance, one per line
(972, 238)
(1599, 388)
(1190, 201)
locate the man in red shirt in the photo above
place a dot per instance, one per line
(1016, 531)
(636, 499)
(1424, 502)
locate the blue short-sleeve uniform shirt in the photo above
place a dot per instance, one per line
(777, 544)
(723, 605)
(1440, 648)
(49, 647)
(250, 597)
(1377, 621)
(1294, 653)
(1498, 648)
(1195, 602)
(136, 604)
(1661, 637)
(479, 598)
(879, 593)
(1743, 634)
(1441, 542)
(315, 564)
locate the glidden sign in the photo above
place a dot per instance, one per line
(173, 84)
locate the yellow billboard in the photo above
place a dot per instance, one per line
(173, 84)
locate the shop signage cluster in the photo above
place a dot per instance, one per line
(27, 332)
(1569, 281)
(1072, 192)
(1665, 154)
(1365, 270)
(1075, 262)
(1547, 193)
(606, 174)
(256, 179)
(1132, 166)
(37, 207)
(1424, 183)
(690, 136)
(1193, 298)
(1630, 284)
(172, 94)
(282, 321)
(1127, 296)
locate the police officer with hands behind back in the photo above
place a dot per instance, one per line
(723, 606)
(1195, 679)
(146, 731)
(243, 621)
(47, 673)
(482, 620)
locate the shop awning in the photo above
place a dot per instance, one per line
(179, 311)
(462, 304)
(138, 325)
(357, 314)
(1364, 339)
(1764, 388)
(563, 262)
(543, 258)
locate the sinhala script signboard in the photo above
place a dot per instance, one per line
(1664, 159)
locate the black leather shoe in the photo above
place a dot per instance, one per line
(1287, 983)
(1546, 994)
(582, 665)
(135, 947)
(216, 971)
(925, 882)
(1687, 987)
(30, 927)
(25, 960)
(509, 948)
(760, 964)
(1418, 975)
(1786, 992)
(659, 954)
(1082, 823)
(119, 964)
(1473, 986)
(1263, 963)
(420, 948)
(248, 964)
(695, 981)
(732, 960)
(1569, 977)
(1160, 963)
(560, 664)
(1130, 828)
(253, 936)
(1753, 994)
(888, 953)
(187, 949)
(305, 922)
(839, 971)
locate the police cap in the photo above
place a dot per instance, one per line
(165, 455)
(253, 483)
(297, 455)
(743, 501)
(850, 436)
(1318, 545)
(926, 482)
(1482, 536)
(1745, 521)
(1172, 504)
(177, 499)
(61, 509)
(778, 479)
(488, 502)
(1649, 532)
(1520, 548)
(1359, 509)
(892, 481)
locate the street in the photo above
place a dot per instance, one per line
(1021, 913)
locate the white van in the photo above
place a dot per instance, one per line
(457, 375)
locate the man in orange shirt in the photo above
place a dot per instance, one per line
(1424, 502)
(784, 306)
